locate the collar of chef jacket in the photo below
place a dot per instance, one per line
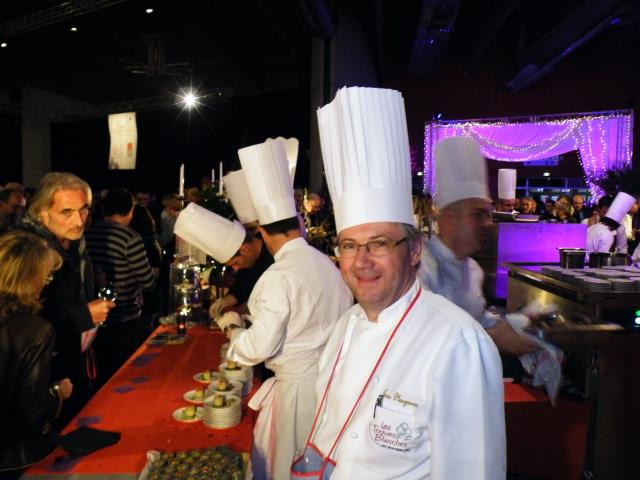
(289, 246)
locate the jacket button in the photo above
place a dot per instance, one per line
(354, 435)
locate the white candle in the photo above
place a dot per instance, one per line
(213, 177)
(181, 184)
(220, 189)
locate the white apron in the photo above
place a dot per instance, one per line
(286, 404)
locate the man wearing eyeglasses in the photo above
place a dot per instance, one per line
(410, 385)
(58, 213)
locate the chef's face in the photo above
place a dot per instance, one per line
(68, 214)
(378, 281)
(247, 255)
(467, 224)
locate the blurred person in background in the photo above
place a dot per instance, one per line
(119, 252)
(12, 205)
(30, 400)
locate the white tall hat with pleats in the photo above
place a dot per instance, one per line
(211, 233)
(460, 171)
(235, 185)
(620, 206)
(266, 170)
(507, 178)
(291, 146)
(365, 150)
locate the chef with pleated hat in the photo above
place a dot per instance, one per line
(294, 307)
(609, 235)
(410, 384)
(507, 181)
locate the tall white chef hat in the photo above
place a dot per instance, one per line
(211, 233)
(238, 192)
(620, 206)
(365, 151)
(266, 170)
(460, 171)
(507, 178)
(291, 146)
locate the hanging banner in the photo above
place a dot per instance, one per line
(124, 141)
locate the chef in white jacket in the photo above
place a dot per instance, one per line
(608, 235)
(294, 307)
(422, 378)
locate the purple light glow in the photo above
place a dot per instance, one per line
(604, 141)
(533, 243)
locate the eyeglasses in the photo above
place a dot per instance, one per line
(377, 248)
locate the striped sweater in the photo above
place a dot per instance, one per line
(119, 252)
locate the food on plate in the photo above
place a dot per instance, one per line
(218, 401)
(231, 365)
(198, 394)
(189, 413)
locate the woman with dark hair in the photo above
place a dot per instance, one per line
(29, 400)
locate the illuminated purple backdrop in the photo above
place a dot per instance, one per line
(603, 140)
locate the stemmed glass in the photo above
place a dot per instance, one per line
(108, 292)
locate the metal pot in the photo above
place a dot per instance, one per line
(606, 259)
(572, 257)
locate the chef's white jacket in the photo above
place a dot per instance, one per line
(600, 239)
(435, 407)
(294, 307)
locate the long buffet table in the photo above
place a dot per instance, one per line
(138, 401)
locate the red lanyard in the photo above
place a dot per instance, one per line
(355, 405)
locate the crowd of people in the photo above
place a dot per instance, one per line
(405, 383)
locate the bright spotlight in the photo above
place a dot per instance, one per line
(3, 44)
(189, 100)
(149, 10)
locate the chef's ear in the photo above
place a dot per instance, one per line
(415, 251)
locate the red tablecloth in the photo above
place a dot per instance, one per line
(139, 400)
(543, 441)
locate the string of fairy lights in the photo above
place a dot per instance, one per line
(611, 130)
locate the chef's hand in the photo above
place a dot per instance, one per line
(99, 309)
(230, 318)
(509, 341)
(216, 308)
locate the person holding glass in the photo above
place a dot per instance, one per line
(29, 400)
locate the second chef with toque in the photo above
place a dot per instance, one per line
(410, 385)
(507, 178)
(294, 307)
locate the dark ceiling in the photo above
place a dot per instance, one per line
(250, 47)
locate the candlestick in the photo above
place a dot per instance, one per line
(220, 188)
(181, 184)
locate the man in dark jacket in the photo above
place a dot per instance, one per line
(58, 213)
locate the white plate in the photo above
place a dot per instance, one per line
(179, 415)
(198, 377)
(188, 396)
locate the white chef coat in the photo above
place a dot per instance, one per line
(600, 239)
(459, 281)
(294, 308)
(442, 409)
